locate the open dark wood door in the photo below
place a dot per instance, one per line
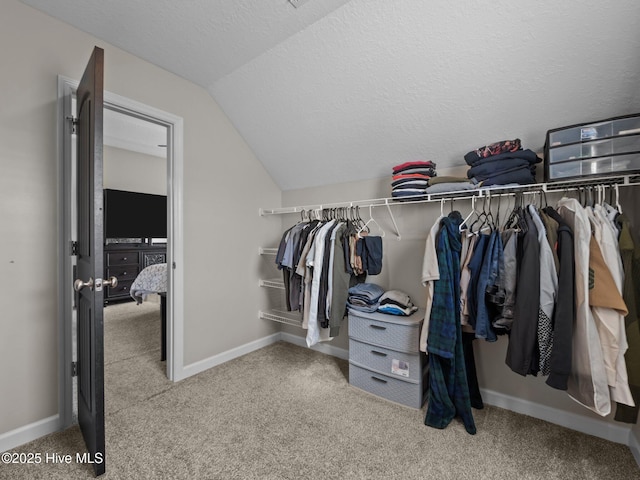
(88, 283)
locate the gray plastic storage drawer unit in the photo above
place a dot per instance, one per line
(384, 356)
(607, 147)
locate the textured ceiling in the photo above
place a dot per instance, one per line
(338, 90)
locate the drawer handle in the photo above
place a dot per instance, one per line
(124, 258)
(378, 379)
(378, 327)
(380, 354)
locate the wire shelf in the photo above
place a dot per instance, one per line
(290, 318)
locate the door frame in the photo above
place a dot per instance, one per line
(66, 206)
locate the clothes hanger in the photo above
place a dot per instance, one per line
(483, 217)
(506, 200)
(618, 207)
(497, 222)
(465, 221)
(366, 225)
(513, 221)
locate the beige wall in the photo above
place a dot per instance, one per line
(224, 186)
(134, 171)
(402, 264)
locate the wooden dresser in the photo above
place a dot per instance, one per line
(125, 261)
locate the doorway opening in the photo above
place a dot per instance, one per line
(129, 112)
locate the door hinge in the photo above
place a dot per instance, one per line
(74, 369)
(74, 124)
(74, 248)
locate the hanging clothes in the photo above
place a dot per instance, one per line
(468, 247)
(475, 267)
(587, 383)
(503, 321)
(564, 311)
(548, 293)
(337, 297)
(430, 273)
(315, 260)
(448, 388)
(609, 310)
(522, 353)
(489, 292)
(628, 250)
(608, 242)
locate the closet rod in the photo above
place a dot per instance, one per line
(560, 186)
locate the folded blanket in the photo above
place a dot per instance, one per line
(369, 291)
(452, 187)
(447, 179)
(493, 149)
(410, 183)
(402, 176)
(408, 194)
(527, 154)
(424, 171)
(522, 176)
(423, 164)
(486, 170)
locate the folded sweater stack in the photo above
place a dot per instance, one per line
(364, 297)
(395, 302)
(411, 179)
(369, 298)
(502, 163)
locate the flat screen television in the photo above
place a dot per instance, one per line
(134, 215)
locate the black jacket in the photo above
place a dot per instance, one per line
(564, 313)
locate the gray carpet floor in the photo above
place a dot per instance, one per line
(286, 412)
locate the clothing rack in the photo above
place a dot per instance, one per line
(493, 191)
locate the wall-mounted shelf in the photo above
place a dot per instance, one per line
(272, 283)
(493, 191)
(568, 185)
(294, 318)
(282, 317)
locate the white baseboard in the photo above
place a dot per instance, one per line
(590, 426)
(320, 347)
(223, 357)
(599, 428)
(28, 433)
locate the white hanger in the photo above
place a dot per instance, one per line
(366, 225)
(618, 199)
(468, 217)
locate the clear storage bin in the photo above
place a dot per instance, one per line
(607, 147)
(596, 148)
(595, 131)
(619, 164)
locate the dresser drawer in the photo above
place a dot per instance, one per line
(123, 272)
(400, 391)
(122, 258)
(398, 333)
(121, 290)
(390, 362)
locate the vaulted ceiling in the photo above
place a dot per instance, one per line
(342, 90)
